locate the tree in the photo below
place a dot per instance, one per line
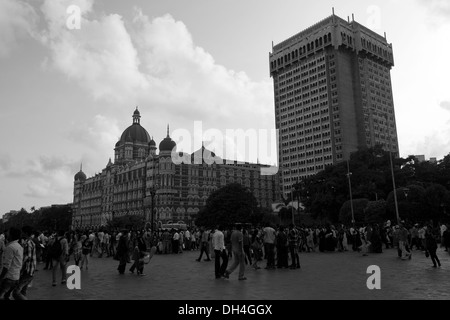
(435, 199)
(359, 206)
(230, 204)
(375, 212)
(410, 201)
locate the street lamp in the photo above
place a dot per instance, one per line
(152, 194)
(350, 189)
(392, 171)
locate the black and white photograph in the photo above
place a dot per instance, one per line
(221, 157)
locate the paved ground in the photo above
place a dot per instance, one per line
(322, 276)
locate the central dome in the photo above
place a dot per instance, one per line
(135, 133)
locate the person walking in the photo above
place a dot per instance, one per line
(28, 266)
(247, 243)
(86, 246)
(59, 253)
(220, 252)
(204, 238)
(269, 246)
(282, 249)
(293, 247)
(431, 248)
(12, 263)
(138, 255)
(257, 250)
(122, 252)
(237, 245)
(403, 242)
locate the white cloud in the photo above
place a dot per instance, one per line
(100, 134)
(45, 176)
(99, 56)
(156, 63)
(17, 18)
(445, 105)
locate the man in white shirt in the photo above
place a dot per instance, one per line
(175, 242)
(269, 246)
(12, 263)
(220, 251)
(187, 240)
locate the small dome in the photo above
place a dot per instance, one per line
(152, 143)
(167, 144)
(80, 176)
(136, 112)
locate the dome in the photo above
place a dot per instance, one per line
(152, 143)
(167, 144)
(80, 176)
(135, 133)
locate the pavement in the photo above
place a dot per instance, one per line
(323, 276)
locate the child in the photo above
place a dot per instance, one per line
(85, 251)
(257, 252)
(139, 253)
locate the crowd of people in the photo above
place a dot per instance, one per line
(22, 250)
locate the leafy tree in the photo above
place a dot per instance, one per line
(410, 203)
(230, 204)
(375, 212)
(359, 206)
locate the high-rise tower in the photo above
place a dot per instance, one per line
(333, 95)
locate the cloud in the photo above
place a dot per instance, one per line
(99, 56)
(5, 162)
(440, 7)
(17, 19)
(156, 64)
(445, 105)
(433, 144)
(45, 176)
(438, 12)
(99, 133)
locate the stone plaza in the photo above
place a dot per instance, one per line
(323, 276)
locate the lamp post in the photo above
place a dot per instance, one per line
(392, 170)
(152, 194)
(350, 189)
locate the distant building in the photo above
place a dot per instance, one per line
(420, 158)
(125, 186)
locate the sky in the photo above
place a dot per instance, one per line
(68, 90)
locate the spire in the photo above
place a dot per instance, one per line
(168, 131)
(81, 166)
(136, 116)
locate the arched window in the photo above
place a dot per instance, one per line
(329, 37)
(325, 40)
